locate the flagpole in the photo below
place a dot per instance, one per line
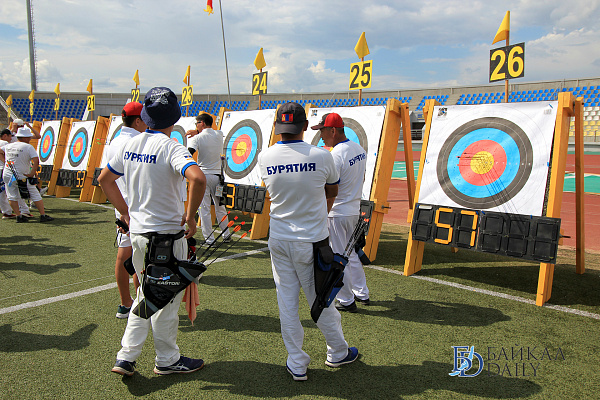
(225, 52)
(506, 81)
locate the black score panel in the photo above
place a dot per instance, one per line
(366, 211)
(45, 172)
(70, 178)
(521, 236)
(245, 198)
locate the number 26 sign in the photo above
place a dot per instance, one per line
(507, 62)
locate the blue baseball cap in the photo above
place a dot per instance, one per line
(161, 109)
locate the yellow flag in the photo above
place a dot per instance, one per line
(31, 95)
(187, 76)
(504, 29)
(57, 89)
(136, 78)
(89, 88)
(9, 100)
(259, 60)
(361, 48)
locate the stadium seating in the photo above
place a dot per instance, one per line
(44, 109)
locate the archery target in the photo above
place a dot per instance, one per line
(489, 157)
(114, 130)
(79, 144)
(362, 125)
(247, 133)
(47, 143)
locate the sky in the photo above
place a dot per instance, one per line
(308, 45)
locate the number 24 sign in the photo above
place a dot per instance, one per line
(360, 75)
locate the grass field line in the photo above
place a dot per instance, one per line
(489, 292)
(96, 289)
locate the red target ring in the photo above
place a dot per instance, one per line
(241, 149)
(482, 162)
(78, 147)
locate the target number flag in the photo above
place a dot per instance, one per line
(489, 157)
(507, 62)
(57, 104)
(187, 94)
(135, 94)
(78, 146)
(259, 83)
(360, 75)
(91, 102)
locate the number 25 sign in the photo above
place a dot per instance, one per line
(360, 75)
(507, 62)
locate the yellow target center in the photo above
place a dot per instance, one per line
(482, 162)
(240, 150)
(77, 147)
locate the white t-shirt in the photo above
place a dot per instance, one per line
(351, 162)
(154, 167)
(209, 145)
(2, 144)
(20, 153)
(295, 174)
(115, 145)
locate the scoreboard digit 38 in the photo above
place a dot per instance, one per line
(523, 236)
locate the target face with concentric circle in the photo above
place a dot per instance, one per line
(178, 134)
(116, 133)
(242, 146)
(481, 173)
(47, 142)
(353, 130)
(78, 147)
(493, 157)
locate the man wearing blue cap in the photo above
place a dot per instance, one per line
(155, 167)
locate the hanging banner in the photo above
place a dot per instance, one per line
(362, 125)
(492, 157)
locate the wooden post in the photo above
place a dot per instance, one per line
(579, 189)
(557, 180)
(61, 145)
(408, 157)
(414, 248)
(383, 173)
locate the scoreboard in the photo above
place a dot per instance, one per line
(523, 236)
(247, 198)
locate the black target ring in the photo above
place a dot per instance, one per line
(525, 163)
(80, 138)
(355, 128)
(248, 132)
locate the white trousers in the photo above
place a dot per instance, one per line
(164, 323)
(292, 264)
(205, 218)
(355, 282)
(5, 205)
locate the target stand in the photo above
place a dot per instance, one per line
(90, 192)
(61, 145)
(498, 174)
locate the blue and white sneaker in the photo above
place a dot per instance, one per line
(351, 357)
(123, 312)
(296, 377)
(185, 365)
(123, 367)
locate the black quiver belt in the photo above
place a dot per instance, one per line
(329, 274)
(164, 276)
(23, 191)
(358, 247)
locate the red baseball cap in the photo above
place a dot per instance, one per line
(329, 120)
(131, 109)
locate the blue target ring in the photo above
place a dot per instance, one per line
(178, 133)
(353, 130)
(503, 181)
(47, 144)
(78, 147)
(241, 147)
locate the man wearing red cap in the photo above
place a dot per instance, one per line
(351, 162)
(132, 126)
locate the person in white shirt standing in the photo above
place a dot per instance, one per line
(14, 127)
(155, 167)
(7, 212)
(209, 145)
(21, 159)
(299, 178)
(351, 162)
(132, 126)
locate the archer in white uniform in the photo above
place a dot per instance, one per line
(132, 126)
(351, 162)
(299, 177)
(154, 167)
(209, 145)
(7, 212)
